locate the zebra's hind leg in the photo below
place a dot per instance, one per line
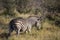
(18, 32)
(10, 31)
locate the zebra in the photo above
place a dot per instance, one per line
(19, 24)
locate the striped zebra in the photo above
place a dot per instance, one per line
(21, 24)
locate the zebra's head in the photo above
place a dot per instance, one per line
(36, 20)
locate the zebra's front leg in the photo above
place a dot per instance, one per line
(29, 29)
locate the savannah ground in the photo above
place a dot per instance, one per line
(49, 31)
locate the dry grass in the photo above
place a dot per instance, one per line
(49, 32)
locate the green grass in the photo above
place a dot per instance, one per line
(49, 31)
